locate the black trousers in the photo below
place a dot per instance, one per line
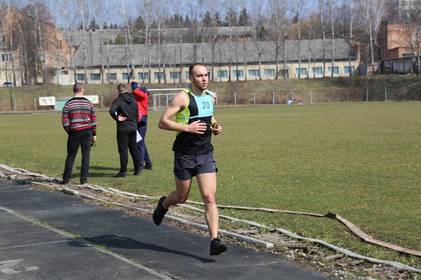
(127, 139)
(143, 151)
(76, 139)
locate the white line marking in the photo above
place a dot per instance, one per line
(6, 266)
(31, 268)
(92, 245)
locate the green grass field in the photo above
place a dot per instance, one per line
(360, 160)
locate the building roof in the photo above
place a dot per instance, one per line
(224, 53)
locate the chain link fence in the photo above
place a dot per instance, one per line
(387, 93)
(26, 102)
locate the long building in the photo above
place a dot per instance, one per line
(226, 61)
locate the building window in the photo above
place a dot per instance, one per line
(159, 75)
(301, 72)
(222, 74)
(269, 72)
(317, 71)
(175, 75)
(143, 75)
(111, 76)
(95, 76)
(237, 74)
(6, 57)
(334, 70)
(80, 77)
(125, 76)
(349, 70)
(254, 73)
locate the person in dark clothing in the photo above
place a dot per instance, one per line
(124, 111)
(141, 95)
(79, 121)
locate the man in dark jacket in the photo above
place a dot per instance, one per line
(124, 111)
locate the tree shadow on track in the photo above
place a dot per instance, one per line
(115, 241)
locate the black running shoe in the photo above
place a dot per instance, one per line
(217, 247)
(159, 212)
(65, 181)
(120, 175)
(148, 167)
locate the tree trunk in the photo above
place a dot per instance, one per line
(82, 11)
(333, 36)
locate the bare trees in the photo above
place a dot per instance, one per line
(199, 23)
(278, 29)
(414, 35)
(28, 30)
(373, 11)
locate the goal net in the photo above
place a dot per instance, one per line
(161, 97)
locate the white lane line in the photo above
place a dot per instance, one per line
(92, 245)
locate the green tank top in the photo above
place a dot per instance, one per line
(200, 107)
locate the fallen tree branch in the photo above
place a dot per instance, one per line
(352, 227)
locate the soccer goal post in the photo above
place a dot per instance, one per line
(161, 97)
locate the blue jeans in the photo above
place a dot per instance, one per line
(144, 159)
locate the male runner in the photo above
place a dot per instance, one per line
(193, 151)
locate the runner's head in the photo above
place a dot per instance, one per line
(198, 75)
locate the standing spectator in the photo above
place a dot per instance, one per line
(124, 112)
(79, 121)
(141, 95)
(193, 151)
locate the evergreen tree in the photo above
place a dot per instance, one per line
(231, 17)
(93, 24)
(244, 18)
(139, 23)
(207, 19)
(217, 19)
(187, 21)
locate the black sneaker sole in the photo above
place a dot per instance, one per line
(218, 250)
(159, 212)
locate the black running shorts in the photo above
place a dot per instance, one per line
(187, 166)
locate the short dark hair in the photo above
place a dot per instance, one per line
(122, 88)
(77, 87)
(192, 67)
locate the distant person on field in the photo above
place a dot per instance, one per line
(124, 111)
(193, 152)
(141, 95)
(79, 121)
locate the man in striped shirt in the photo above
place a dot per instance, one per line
(79, 121)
